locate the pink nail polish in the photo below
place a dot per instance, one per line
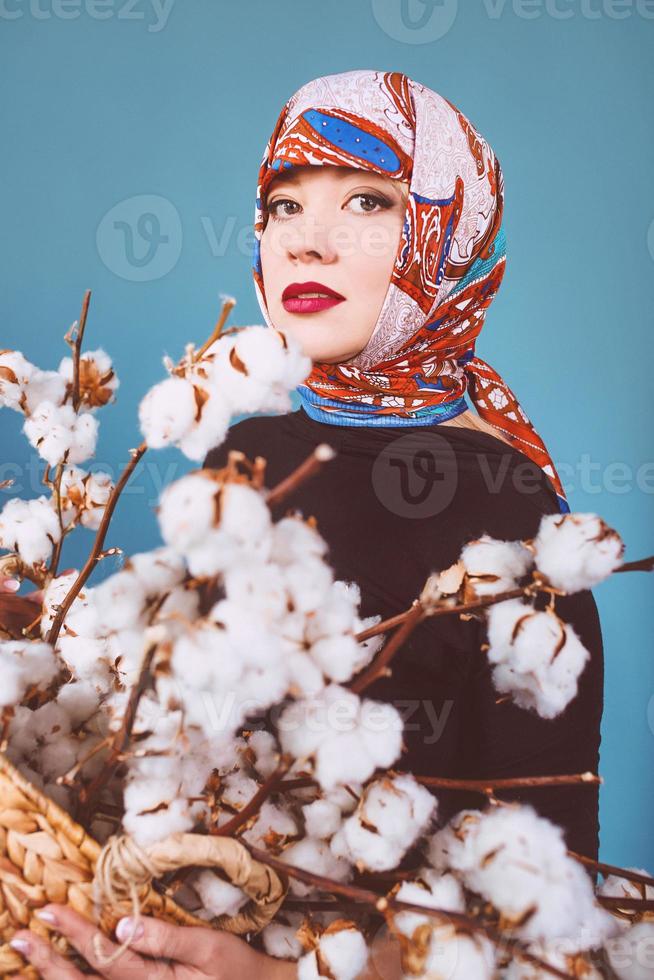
(45, 915)
(21, 946)
(11, 585)
(126, 927)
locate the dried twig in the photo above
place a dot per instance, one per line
(74, 339)
(385, 905)
(96, 550)
(309, 467)
(266, 789)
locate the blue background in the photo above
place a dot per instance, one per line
(100, 112)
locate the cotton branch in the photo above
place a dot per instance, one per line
(266, 789)
(310, 466)
(120, 742)
(385, 905)
(74, 339)
(96, 550)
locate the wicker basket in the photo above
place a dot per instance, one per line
(46, 857)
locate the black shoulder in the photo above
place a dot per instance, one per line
(251, 435)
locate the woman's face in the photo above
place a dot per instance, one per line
(333, 230)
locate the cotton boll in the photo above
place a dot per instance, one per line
(30, 528)
(391, 816)
(560, 954)
(143, 794)
(255, 369)
(43, 386)
(238, 789)
(99, 487)
(381, 730)
(79, 700)
(314, 855)
(538, 658)
(458, 956)
(23, 665)
(97, 380)
(258, 587)
(336, 615)
(433, 890)
(308, 583)
(54, 430)
(151, 827)
(252, 640)
(341, 955)
(218, 897)
(322, 818)
(81, 618)
(280, 936)
(188, 510)
(181, 606)
(495, 566)
(273, 823)
(244, 513)
(294, 540)
(84, 438)
(576, 551)
(631, 955)
(15, 373)
(209, 430)
(58, 756)
(337, 656)
(521, 865)
(87, 659)
(167, 412)
(453, 846)
(263, 746)
(120, 601)
(158, 571)
(305, 677)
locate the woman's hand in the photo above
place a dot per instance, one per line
(159, 951)
(16, 611)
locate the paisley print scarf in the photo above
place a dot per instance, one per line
(420, 359)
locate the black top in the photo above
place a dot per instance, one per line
(395, 504)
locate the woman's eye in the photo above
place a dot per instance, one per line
(368, 203)
(272, 208)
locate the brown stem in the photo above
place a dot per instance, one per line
(121, 740)
(384, 905)
(76, 344)
(378, 667)
(311, 465)
(492, 785)
(612, 869)
(265, 790)
(56, 489)
(227, 307)
(480, 785)
(640, 565)
(96, 550)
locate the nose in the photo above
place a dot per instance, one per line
(310, 241)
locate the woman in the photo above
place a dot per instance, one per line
(379, 247)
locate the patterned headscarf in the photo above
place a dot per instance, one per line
(420, 358)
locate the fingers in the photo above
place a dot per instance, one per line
(94, 946)
(39, 952)
(191, 945)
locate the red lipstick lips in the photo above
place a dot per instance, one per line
(309, 297)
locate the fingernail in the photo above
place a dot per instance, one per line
(126, 927)
(21, 946)
(45, 915)
(11, 585)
